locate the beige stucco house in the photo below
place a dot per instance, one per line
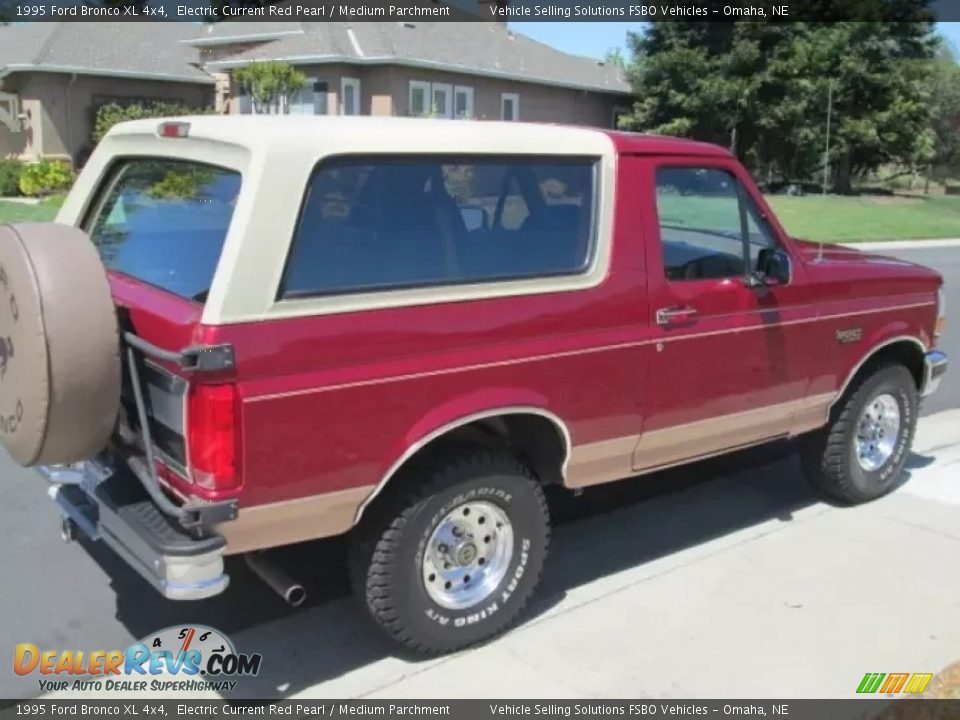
(481, 70)
(53, 76)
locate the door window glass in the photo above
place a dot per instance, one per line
(701, 230)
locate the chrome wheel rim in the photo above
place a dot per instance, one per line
(467, 555)
(877, 432)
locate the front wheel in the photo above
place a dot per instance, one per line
(860, 454)
(453, 561)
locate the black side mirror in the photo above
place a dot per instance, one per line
(773, 267)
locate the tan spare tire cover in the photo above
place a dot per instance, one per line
(59, 345)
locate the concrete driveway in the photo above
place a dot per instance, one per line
(723, 579)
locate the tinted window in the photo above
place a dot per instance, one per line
(391, 223)
(164, 222)
(700, 226)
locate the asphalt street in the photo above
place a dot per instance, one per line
(946, 261)
(614, 575)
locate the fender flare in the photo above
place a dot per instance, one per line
(876, 348)
(449, 426)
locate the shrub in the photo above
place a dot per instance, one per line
(45, 177)
(270, 83)
(10, 171)
(112, 113)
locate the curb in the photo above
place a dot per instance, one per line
(904, 244)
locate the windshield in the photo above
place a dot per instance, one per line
(164, 222)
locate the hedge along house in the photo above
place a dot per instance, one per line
(478, 70)
(53, 77)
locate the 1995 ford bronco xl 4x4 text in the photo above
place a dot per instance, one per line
(402, 329)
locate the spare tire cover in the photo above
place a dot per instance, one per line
(59, 345)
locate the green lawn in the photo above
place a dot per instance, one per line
(812, 217)
(852, 219)
(22, 212)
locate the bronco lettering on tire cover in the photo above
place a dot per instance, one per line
(59, 345)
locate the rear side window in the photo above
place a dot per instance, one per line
(164, 222)
(370, 224)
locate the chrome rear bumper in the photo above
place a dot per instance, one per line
(934, 368)
(111, 506)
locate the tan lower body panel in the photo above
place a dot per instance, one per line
(318, 516)
(265, 526)
(616, 459)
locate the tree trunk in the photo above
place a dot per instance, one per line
(842, 177)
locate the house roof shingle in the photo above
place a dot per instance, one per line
(473, 48)
(163, 50)
(141, 50)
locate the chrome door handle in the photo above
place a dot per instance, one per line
(676, 314)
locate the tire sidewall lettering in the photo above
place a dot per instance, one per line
(886, 473)
(906, 414)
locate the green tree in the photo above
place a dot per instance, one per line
(945, 110)
(762, 88)
(614, 56)
(269, 84)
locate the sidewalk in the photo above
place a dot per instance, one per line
(905, 244)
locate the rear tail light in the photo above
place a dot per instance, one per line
(212, 438)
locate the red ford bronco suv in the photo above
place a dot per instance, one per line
(246, 332)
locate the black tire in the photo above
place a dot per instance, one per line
(386, 551)
(829, 456)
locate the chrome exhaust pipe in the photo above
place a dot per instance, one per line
(278, 580)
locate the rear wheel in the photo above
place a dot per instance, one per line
(860, 455)
(454, 560)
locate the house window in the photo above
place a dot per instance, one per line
(349, 96)
(509, 106)
(246, 104)
(442, 100)
(463, 102)
(419, 98)
(311, 99)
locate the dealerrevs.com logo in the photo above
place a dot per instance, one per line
(175, 659)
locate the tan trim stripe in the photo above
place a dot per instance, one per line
(571, 353)
(620, 458)
(274, 524)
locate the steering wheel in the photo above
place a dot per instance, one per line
(707, 267)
